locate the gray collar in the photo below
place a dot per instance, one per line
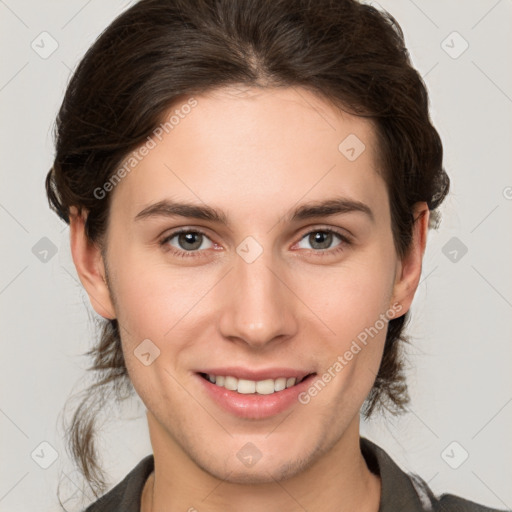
(399, 491)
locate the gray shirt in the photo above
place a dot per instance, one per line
(400, 491)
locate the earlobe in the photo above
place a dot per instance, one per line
(408, 270)
(90, 267)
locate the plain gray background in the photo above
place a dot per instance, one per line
(459, 364)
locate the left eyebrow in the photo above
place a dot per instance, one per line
(324, 208)
(330, 207)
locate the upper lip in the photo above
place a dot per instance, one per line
(256, 375)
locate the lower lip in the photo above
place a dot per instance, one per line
(254, 406)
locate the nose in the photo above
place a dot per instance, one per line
(257, 307)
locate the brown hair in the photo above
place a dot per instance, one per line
(160, 51)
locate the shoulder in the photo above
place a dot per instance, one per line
(126, 495)
(408, 492)
(445, 502)
(451, 503)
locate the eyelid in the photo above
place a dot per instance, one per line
(164, 240)
(344, 233)
(345, 241)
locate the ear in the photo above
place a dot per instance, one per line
(90, 266)
(408, 271)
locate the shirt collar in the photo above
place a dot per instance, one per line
(399, 491)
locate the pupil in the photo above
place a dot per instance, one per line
(188, 238)
(323, 238)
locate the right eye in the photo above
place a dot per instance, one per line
(187, 242)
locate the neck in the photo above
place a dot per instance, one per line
(341, 473)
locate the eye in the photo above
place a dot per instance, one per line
(190, 242)
(322, 239)
(187, 241)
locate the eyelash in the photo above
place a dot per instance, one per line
(345, 241)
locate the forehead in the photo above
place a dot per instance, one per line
(256, 147)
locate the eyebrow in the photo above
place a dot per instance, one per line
(323, 208)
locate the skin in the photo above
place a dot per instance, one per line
(256, 154)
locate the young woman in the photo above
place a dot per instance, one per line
(249, 185)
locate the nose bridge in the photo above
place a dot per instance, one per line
(258, 306)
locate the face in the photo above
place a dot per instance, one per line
(270, 287)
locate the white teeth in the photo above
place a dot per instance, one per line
(230, 383)
(264, 387)
(290, 382)
(245, 386)
(280, 384)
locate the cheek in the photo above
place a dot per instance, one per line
(351, 297)
(163, 305)
(353, 301)
(153, 297)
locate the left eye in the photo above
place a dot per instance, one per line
(321, 239)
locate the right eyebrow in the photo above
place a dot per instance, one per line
(168, 208)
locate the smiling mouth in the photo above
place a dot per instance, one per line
(248, 387)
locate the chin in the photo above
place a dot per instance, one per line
(254, 475)
(262, 472)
